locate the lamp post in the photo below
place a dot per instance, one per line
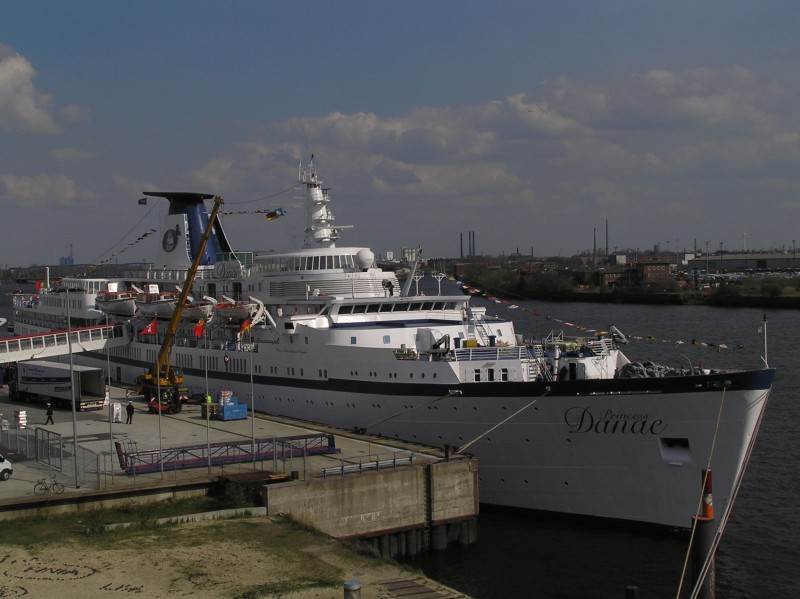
(72, 393)
(252, 407)
(206, 402)
(110, 406)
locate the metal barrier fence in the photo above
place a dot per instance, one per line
(56, 453)
(364, 464)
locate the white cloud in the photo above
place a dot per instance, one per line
(22, 108)
(40, 191)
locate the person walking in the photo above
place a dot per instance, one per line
(49, 415)
(130, 411)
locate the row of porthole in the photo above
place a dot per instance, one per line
(392, 375)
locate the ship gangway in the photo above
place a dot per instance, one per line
(133, 461)
(57, 343)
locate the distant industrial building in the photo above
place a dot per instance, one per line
(744, 262)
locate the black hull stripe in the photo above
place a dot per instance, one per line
(734, 381)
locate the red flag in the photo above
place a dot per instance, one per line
(38, 286)
(199, 328)
(245, 326)
(150, 329)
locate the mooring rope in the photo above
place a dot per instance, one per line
(411, 409)
(496, 426)
(726, 516)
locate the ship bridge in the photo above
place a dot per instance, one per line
(57, 343)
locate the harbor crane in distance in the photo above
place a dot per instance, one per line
(162, 378)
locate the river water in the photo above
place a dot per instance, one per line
(528, 555)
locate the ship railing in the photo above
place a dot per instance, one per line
(177, 276)
(469, 354)
(40, 342)
(362, 464)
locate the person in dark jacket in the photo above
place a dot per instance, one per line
(130, 411)
(49, 415)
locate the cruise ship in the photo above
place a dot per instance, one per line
(567, 425)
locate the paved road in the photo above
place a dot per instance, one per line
(96, 433)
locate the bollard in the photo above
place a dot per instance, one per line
(702, 549)
(352, 589)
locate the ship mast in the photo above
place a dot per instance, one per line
(320, 232)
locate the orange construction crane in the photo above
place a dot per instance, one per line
(162, 378)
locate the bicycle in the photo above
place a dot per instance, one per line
(42, 487)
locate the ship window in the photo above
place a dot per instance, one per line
(386, 307)
(372, 308)
(352, 340)
(477, 375)
(504, 374)
(400, 307)
(490, 374)
(427, 306)
(675, 451)
(387, 339)
(345, 309)
(360, 309)
(414, 307)
(438, 305)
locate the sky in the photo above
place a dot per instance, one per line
(539, 126)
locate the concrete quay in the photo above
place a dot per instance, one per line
(400, 498)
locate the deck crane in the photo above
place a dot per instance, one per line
(162, 378)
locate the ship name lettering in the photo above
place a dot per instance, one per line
(227, 270)
(582, 420)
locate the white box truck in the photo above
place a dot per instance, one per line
(44, 381)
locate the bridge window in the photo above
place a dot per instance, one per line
(477, 375)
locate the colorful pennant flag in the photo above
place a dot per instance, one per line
(150, 329)
(245, 326)
(199, 328)
(275, 214)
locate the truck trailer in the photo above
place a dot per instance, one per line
(49, 382)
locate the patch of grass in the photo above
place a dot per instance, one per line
(48, 527)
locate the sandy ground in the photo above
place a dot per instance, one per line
(191, 565)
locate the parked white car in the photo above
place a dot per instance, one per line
(6, 469)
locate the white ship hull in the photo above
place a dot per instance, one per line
(626, 450)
